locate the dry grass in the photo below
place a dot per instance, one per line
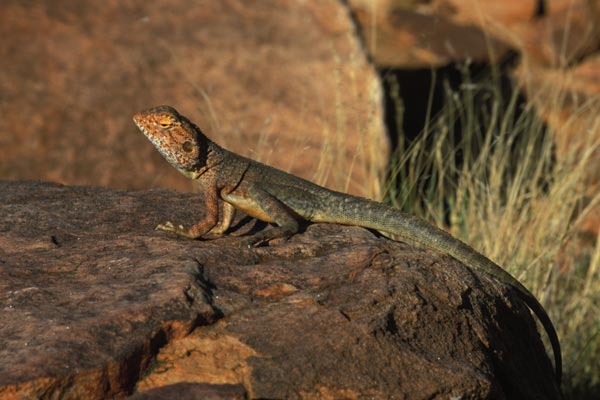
(497, 185)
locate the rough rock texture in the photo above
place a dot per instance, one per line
(193, 391)
(283, 81)
(95, 303)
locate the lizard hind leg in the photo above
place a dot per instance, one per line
(262, 205)
(273, 232)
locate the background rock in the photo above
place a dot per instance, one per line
(414, 34)
(284, 82)
(95, 304)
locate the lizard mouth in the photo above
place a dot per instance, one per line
(137, 120)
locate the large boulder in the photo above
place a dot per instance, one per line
(282, 81)
(94, 303)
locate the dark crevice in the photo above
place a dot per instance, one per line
(541, 9)
(142, 360)
(208, 288)
(135, 365)
(359, 31)
(420, 89)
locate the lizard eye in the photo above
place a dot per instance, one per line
(187, 146)
(165, 122)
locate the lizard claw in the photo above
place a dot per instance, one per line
(178, 230)
(169, 227)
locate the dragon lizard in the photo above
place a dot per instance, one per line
(230, 181)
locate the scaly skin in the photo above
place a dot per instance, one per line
(230, 182)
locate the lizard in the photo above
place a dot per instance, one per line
(230, 181)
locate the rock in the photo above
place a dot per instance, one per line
(568, 32)
(285, 82)
(193, 391)
(491, 15)
(546, 33)
(96, 304)
(414, 34)
(567, 99)
(410, 34)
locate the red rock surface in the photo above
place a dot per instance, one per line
(527, 26)
(412, 35)
(281, 81)
(96, 304)
(569, 101)
(193, 391)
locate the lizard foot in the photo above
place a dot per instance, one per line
(169, 227)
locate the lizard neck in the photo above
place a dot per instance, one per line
(212, 155)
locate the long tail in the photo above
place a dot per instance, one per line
(414, 230)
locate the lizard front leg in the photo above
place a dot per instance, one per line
(226, 214)
(206, 224)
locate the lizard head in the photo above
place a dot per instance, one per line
(175, 137)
